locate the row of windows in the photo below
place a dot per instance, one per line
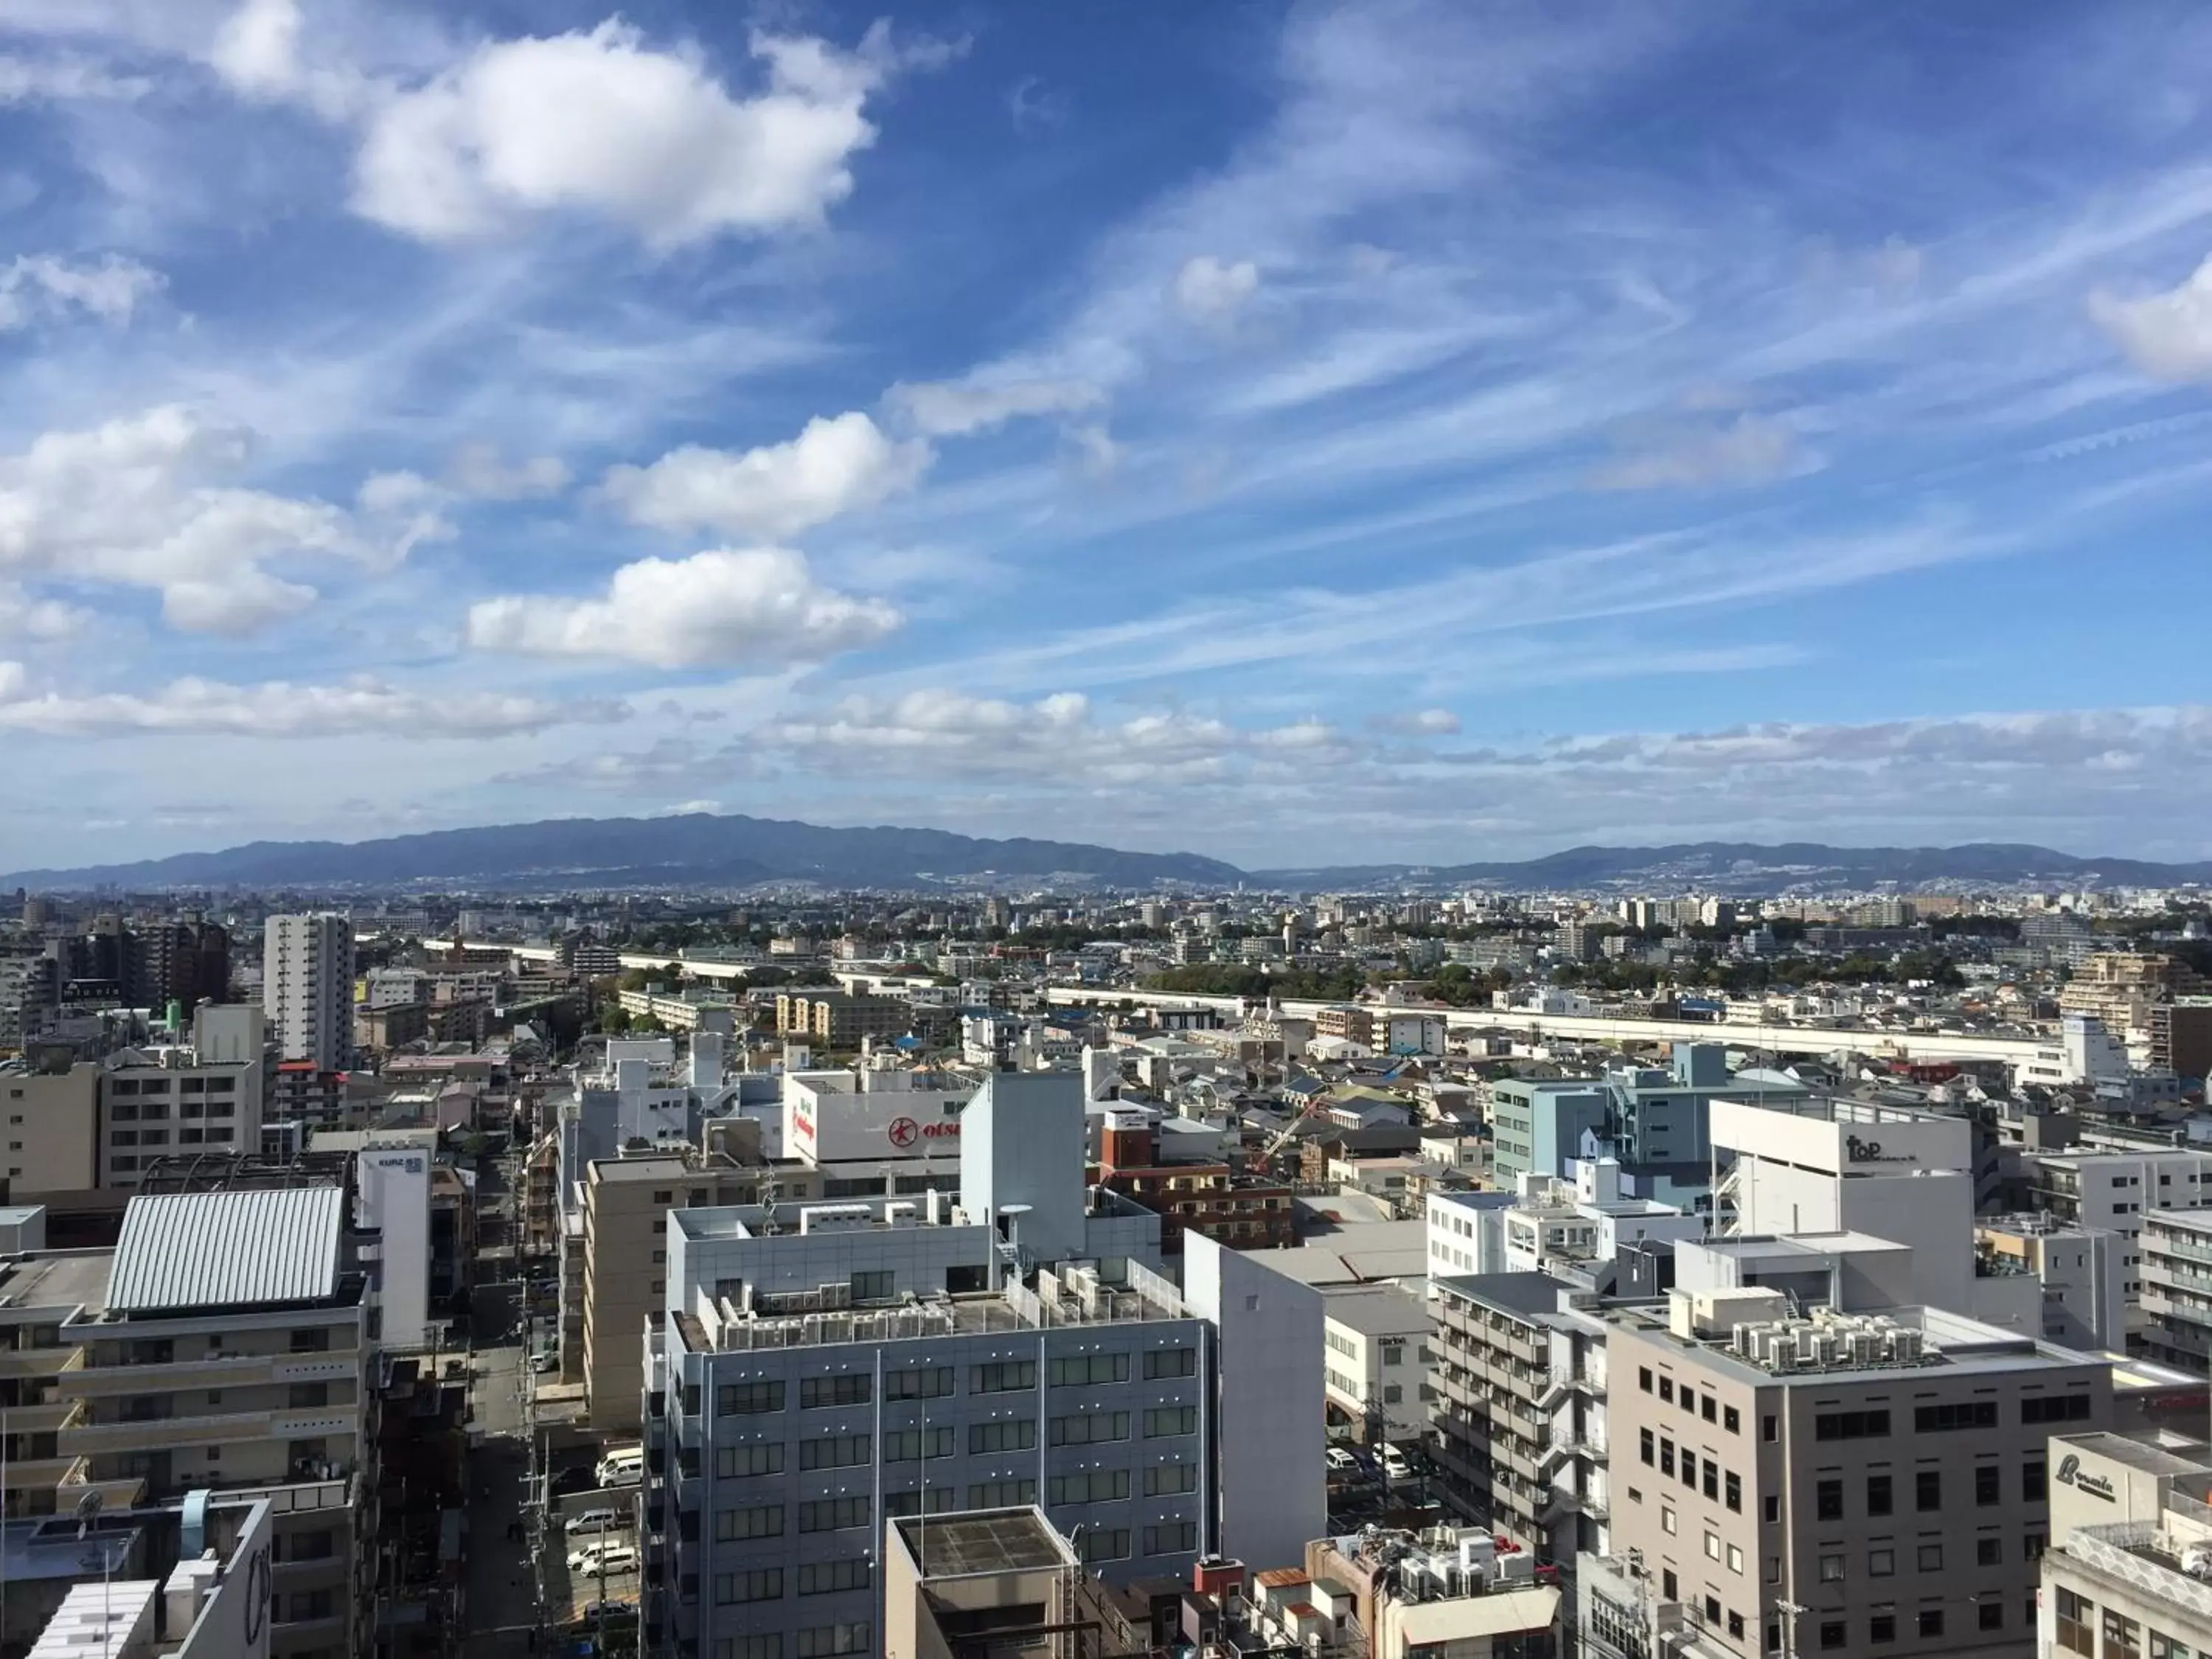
(1705, 1406)
(1873, 1423)
(937, 1381)
(2124, 1638)
(1928, 1490)
(901, 1446)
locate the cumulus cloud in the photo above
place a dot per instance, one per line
(1206, 290)
(950, 409)
(833, 466)
(2167, 336)
(601, 123)
(278, 709)
(755, 607)
(148, 502)
(43, 285)
(1750, 449)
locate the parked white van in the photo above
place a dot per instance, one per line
(623, 1467)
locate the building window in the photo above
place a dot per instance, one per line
(1091, 1487)
(2076, 1630)
(748, 1399)
(1093, 1428)
(1770, 1427)
(1879, 1498)
(1733, 1483)
(1931, 1557)
(943, 1500)
(2122, 1637)
(1927, 1487)
(912, 1445)
(738, 1463)
(1665, 1519)
(1166, 1479)
(816, 1392)
(1006, 1375)
(1734, 1559)
(830, 1641)
(1828, 1501)
(920, 1383)
(1882, 1627)
(1712, 1546)
(1990, 1613)
(827, 1577)
(1771, 1509)
(1832, 1632)
(2054, 1408)
(1832, 1568)
(1082, 1371)
(1667, 1389)
(1851, 1426)
(1014, 1436)
(833, 1514)
(1709, 1408)
(1174, 1539)
(1162, 1420)
(1931, 1621)
(1183, 1362)
(1730, 1420)
(1986, 1484)
(836, 1451)
(731, 1588)
(874, 1286)
(1666, 1457)
(1881, 1564)
(1648, 1443)
(1958, 1414)
(763, 1522)
(1001, 1494)
(1105, 1544)
(2034, 1482)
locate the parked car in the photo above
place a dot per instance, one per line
(603, 1560)
(624, 1468)
(596, 1520)
(1340, 1461)
(1394, 1464)
(544, 1363)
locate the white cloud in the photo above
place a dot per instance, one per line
(1418, 722)
(1058, 741)
(478, 472)
(1208, 291)
(1750, 449)
(952, 408)
(278, 708)
(833, 466)
(756, 607)
(23, 616)
(2167, 336)
(601, 123)
(145, 502)
(64, 79)
(36, 285)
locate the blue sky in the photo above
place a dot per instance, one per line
(1297, 433)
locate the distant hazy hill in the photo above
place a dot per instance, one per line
(1749, 867)
(691, 849)
(697, 850)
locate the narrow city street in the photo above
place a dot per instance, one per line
(502, 1599)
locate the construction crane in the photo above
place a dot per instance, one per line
(1313, 1107)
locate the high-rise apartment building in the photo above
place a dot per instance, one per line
(307, 988)
(1845, 1484)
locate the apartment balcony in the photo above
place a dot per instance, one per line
(81, 1435)
(84, 1378)
(38, 1362)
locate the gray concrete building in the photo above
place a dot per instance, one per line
(1846, 1483)
(820, 1369)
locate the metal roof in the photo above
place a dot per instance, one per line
(226, 1250)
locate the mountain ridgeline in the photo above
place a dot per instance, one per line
(703, 850)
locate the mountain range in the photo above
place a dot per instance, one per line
(703, 850)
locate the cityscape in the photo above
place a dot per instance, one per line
(1076, 831)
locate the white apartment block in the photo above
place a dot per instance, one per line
(307, 988)
(2114, 1191)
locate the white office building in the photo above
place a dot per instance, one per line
(307, 988)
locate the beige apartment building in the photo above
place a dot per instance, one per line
(226, 1350)
(1846, 1483)
(52, 1111)
(624, 1266)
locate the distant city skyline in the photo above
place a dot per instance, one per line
(1407, 431)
